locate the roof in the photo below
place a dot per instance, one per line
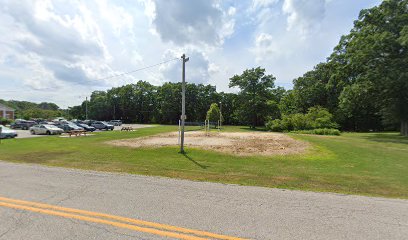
(4, 107)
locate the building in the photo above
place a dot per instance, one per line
(6, 112)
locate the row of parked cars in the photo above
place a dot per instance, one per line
(57, 126)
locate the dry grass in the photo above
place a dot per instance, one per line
(235, 143)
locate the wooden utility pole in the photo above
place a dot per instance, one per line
(183, 101)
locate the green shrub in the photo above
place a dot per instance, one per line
(316, 118)
(319, 117)
(275, 125)
(319, 131)
(4, 121)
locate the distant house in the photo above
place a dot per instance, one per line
(6, 112)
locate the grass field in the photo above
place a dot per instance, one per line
(373, 164)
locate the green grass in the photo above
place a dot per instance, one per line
(374, 164)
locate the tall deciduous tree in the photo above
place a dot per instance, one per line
(377, 51)
(255, 93)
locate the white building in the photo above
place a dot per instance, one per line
(6, 112)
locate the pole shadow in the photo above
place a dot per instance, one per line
(195, 162)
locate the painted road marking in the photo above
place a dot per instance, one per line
(128, 223)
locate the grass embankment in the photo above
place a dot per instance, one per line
(358, 163)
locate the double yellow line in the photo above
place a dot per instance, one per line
(116, 221)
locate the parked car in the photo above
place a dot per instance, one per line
(6, 132)
(45, 129)
(100, 125)
(22, 124)
(86, 127)
(69, 127)
(115, 122)
(47, 123)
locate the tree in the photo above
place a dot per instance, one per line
(376, 50)
(214, 114)
(255, 92)
(360, 104)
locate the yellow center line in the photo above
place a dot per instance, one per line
(44, 208)
(102, 221)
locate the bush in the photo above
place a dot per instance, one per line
(275, 125)
(319, 131)
(315, 118)
(4, 121)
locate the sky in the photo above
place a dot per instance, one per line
(62, 50)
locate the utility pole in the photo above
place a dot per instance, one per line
(220, 115)
(183, 101)
(86, 108)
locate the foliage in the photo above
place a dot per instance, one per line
(364, 83)
(315, 118)
(256, 91)
(214, 114)
(4, 121)
(319, 131)
(356, 103)
(39, 113)
(28, 110)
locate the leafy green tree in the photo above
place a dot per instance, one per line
(376, 50)
(360, 104)
(98, 106)
(255, 92)
(214, 114)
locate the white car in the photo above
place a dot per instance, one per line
(115, 122)
(45, 129)
(6, 132)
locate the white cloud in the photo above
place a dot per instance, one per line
(304, 15)
(190, 22)
(263, 3)
(198, 67)
(50, 48)
(265, 47)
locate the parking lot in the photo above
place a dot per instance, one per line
(27, 134)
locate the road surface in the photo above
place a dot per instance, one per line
(93, 205)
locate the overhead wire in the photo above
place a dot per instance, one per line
(140, 69)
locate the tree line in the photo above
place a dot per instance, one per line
(362, 86)
(30, 110)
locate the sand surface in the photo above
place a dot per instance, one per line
(236, 143)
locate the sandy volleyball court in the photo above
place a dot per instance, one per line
(237, 143)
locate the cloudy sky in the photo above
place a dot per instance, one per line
(62, 50)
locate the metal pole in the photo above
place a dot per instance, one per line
(86, 108)
(220, 115)
(178, 139)
(183, 101)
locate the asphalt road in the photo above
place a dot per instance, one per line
(238, 211)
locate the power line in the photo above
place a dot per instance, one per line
(126, 73)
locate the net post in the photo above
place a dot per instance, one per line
(179, 130)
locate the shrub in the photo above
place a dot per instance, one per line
(4, 121)
(275, 125)
(319, 117)
(315, 118)
(319, 131)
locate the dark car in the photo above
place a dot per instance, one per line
(86, 127)
(100, 125)
(69, 127)
(22, 124)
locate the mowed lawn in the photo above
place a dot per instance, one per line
(373, 164)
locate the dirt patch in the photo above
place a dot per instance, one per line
(237, 143)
